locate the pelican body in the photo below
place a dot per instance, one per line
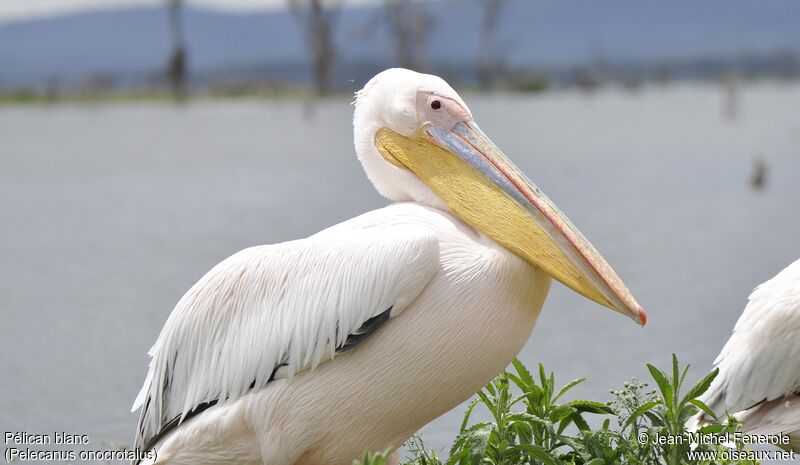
(759, 367)
(311, 351)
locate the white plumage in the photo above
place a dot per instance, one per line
(759, 366)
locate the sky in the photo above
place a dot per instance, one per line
(16, 10)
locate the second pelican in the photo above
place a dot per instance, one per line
(310, 351)
(759, 367)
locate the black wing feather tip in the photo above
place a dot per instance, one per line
(366, 330)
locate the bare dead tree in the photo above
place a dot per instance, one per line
(317, 19)
(176, 66)
(410, 25)
(490, 60)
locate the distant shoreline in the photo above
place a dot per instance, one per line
(304, 94)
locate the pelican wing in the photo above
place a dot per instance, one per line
(761, 360)
(773, 417)
(273, 311)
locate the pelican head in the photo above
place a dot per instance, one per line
(418, 141)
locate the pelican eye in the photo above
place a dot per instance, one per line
(436, 104)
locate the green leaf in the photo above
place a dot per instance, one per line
(574, 443)
(490, 389)
(567, 387)
(524, 431)
(675, 377)
(537, 452)
(519, 382)
(688, 410)
(663, 385)
(562, 425)
(523, 372)
(561, 411)
(656, 420)
(590, 406)
(516, 400)
(702, 386)
(487, 402)
(456, 458)
(467, 414)
(580, 422)
(542, 377)
(530, 418)
(683, 375)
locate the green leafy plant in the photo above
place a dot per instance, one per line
(535, 434)
(531, 423)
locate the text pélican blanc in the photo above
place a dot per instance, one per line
(22, 438)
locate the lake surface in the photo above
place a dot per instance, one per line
(108, 213)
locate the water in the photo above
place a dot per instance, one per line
(108, 213)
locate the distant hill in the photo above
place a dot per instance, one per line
(556, 34)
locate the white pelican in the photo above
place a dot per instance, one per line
(759, 366)
(308, 352)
